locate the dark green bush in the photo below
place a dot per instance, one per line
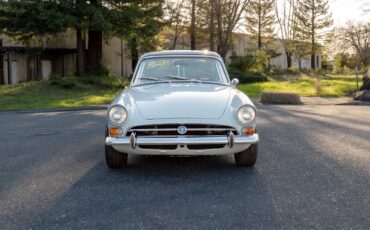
(248, 77)
(64, 82)
(105, 81)
(242, 63)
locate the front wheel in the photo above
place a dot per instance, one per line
(248, 157)
(114, 159)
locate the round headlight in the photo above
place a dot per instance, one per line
(117, 115)
(246, 114)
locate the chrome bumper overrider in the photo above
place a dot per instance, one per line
(230, 140)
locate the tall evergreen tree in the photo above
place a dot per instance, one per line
(313, 16)
(145, 20)
(26, 19)
(30, 18)
(97, 21)
(260, 20)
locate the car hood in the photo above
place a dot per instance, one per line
(174, 101)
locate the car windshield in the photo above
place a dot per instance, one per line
(197, 69)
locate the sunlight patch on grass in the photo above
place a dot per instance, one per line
(305, 86)
(41, 94)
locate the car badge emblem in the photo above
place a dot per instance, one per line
(182, 130)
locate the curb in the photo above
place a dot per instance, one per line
(48, 110)
(360, 103)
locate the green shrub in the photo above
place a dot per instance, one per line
(241, 64)
(64, 82)
(293, 70)
(260, 63)
(337, 65)
(347, 70)
(105, 81)
(276, 71)
(249, 78)
(100, 70)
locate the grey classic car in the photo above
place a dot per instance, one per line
(181, 103)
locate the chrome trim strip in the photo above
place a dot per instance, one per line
(178, 140)
(175, 129)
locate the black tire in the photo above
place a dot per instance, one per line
(114, 159)
(248, 157)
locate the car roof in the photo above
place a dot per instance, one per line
(167, 53)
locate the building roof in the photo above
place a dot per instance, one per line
(181, 53)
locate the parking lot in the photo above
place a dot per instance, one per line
(313, 171)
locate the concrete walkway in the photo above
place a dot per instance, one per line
(325, 101)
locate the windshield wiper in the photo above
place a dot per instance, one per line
(149, 78)
(153, 81)
(175, 77)
(207, 82)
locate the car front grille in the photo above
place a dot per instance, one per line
(171, 130)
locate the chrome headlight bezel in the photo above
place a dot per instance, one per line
(121, 115)
(246, 109)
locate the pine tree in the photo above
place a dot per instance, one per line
(26, 19)
(313, 16)
(145, 20)
(260, 20)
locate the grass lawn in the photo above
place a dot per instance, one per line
(46, 94)
(338, 85)
(42, 94)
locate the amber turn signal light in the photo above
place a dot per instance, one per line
(114, 131)
(249, 131)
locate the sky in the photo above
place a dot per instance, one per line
(344, 10)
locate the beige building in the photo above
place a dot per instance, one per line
(54, 56)
(57, 56)
(243, 44)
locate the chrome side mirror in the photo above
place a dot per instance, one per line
(234, 82)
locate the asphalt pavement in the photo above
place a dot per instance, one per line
(313, 172)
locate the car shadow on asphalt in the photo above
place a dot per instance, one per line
(165, 193)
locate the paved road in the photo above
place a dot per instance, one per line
(313, 172)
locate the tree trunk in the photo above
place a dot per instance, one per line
(95, 52)
(313, 66)
(259, 25)
(220, 45)
(212, 31)
(95, 46)
(175, 38)
(81, 49)
(313, 36)
(289, 59)
(134, 53)
(222, 53)
(192, 26)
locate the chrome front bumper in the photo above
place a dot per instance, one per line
(132, 144)
(204, 140)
